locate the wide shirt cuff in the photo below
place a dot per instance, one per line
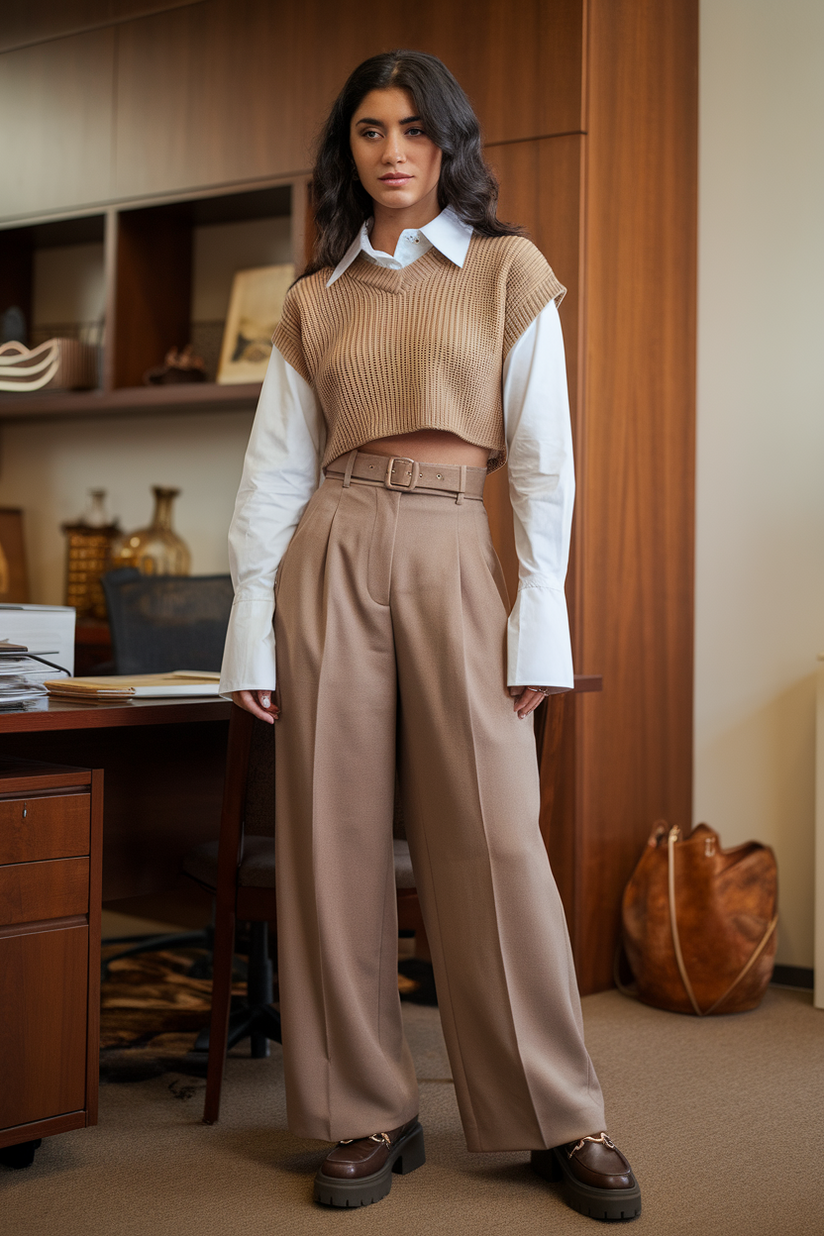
(249, 653)
(539, 652)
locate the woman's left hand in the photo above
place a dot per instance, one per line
(526, 699)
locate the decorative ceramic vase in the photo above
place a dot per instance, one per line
(156, 550)
(89, 555)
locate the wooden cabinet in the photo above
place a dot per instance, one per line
(138, 100)
(250, 83)
(56, 99)
(50, 896)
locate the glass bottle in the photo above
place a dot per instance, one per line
(96, 514)
(156, 550)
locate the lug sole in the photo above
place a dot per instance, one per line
(614, 1205)
(406, 1155)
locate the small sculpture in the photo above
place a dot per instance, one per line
(179, 366)
(57, 364)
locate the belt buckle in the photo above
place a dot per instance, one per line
(390, 467)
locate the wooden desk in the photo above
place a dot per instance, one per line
(164, 764)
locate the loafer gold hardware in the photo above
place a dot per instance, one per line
(373, 1137)
(600, 1140)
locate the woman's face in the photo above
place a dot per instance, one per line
(397, 164)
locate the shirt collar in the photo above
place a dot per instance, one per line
(446, 232)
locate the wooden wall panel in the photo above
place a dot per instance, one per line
(56, 101)
(39, 20)
(541, 188)
(208, 95)
(636, 502)
(233, 90)
(518, 60)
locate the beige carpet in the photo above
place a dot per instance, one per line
(722, 1120)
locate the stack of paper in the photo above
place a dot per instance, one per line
(134, 686)
(22, 677)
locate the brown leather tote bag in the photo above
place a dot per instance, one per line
(699, 922)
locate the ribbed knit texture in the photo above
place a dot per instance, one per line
(393, 351)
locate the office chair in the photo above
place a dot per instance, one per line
(240, 869)
(161, 623)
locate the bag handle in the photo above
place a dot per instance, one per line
(673, 836)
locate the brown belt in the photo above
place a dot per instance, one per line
(399, 473)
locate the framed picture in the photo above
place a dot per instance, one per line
(14, 580)
(254, 311)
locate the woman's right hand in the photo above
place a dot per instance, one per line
(259, 703)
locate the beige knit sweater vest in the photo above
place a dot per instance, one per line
(392, 351)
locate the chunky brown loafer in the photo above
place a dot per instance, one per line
(596, 1179)
(359, 1171)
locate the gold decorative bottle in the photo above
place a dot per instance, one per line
(156, 550)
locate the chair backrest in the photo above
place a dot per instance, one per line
(160, 623)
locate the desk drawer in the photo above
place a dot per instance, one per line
(53, 826)
(44, 1001)
(30, 892)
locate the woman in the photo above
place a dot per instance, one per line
(420, 351)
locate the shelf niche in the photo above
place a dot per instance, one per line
(149, 275)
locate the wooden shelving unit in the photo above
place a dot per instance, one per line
(194, 397)
(148, 265)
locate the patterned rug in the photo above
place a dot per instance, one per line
(152, 1011)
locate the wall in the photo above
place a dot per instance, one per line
(48, 467)
(760, 466)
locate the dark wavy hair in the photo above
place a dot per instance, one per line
(341, 204)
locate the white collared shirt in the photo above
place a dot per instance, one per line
(282, 471)
(446, 232)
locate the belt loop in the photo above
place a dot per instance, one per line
(350, 463)
(460, 496)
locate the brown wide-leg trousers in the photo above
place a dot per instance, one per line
(390, 630)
